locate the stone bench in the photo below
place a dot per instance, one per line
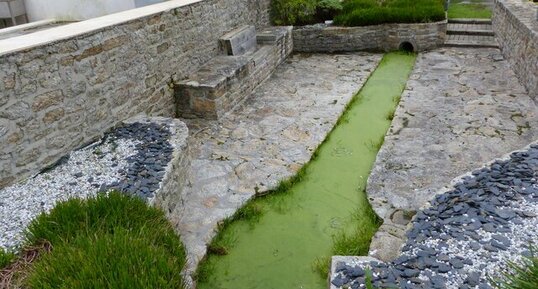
(226, 80)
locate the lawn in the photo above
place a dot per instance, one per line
(466, 9)
(110, 241)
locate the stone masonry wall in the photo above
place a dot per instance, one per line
(385, 37)
(58, 96)
(515, 23)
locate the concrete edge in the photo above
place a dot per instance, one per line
(11, 29)
(47, 36)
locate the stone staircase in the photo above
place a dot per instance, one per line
(470, 33)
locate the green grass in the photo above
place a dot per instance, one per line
(5, 258)
(110, 241)
(520, 276)
(457, 9)
(373, 12)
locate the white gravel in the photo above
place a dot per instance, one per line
(493, 264)
(22, 202)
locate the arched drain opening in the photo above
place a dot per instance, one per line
(407, 46)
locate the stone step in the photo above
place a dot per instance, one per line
(477, 41)
(470, 32)
(470, 21)
(470, 29)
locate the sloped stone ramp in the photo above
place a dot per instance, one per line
(465, 236)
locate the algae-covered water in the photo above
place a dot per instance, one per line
(278, 249)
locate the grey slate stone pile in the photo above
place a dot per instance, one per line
(467, 235)
(147, 167)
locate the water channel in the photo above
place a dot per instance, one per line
(298, 229)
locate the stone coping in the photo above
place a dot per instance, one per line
(24, 42)
(382, 37)
(525, 12)
(25, 26)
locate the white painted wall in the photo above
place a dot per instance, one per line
(79, 9)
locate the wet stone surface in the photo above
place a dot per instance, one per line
(467, 234)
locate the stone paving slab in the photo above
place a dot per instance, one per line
(469, 29)
(268, 139)
(477, 41)
(461, 108)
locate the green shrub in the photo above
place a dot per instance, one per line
(327, 9)
(109, 241)
(371, 12)
(293, 12)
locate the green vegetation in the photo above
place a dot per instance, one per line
(263, 245)
(520, 276)
(110, 241)
(372, 12)
(356, 12)
(303, 12)
(464, 9)
(5, 258)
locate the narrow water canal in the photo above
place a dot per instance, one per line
(299, 227)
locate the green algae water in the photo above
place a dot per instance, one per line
(277, 240)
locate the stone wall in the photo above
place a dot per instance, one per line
(515, 23)
(385, 37)
(63, 87)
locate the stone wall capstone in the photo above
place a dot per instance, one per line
(57, 96)
(384, 37)
(515, 23)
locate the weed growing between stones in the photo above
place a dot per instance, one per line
(390, 115)
(356, 243)
(322, 265)
(520, 276)
(110, 241)
(374, 146)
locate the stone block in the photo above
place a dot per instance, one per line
(46, 100)
(239, 41)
